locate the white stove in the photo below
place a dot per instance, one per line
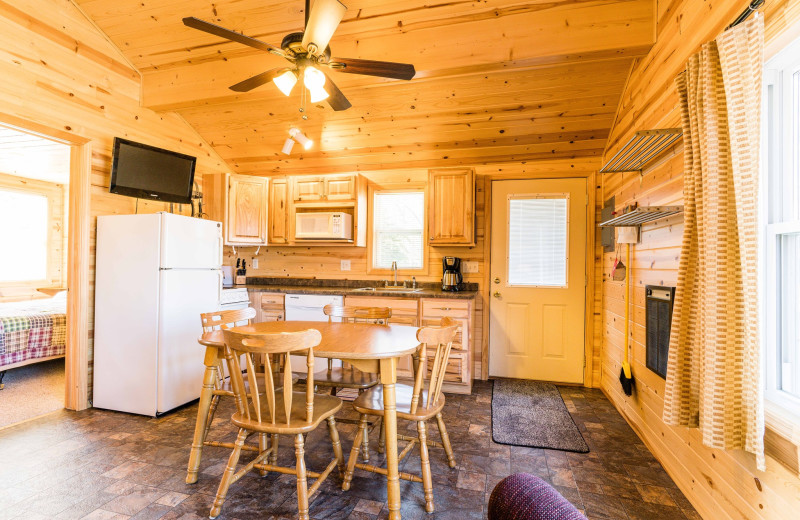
(232, 299)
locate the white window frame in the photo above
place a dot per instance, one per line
(404, 188)
(779, 160)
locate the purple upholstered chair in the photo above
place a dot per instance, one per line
(523, 496)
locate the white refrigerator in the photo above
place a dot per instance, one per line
(155, 274)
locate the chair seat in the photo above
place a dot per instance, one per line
(371, 403)
(345, 378)
(324, 407)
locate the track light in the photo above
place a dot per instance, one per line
(298, 136)
(287, 146)
(286, 81)
(314, 81)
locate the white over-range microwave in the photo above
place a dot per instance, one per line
(324, 226)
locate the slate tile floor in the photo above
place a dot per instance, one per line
(105, 465)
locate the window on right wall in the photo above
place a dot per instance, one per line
(780, 240)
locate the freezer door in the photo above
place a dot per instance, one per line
(190, 243)
(184, 295)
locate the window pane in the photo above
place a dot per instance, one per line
(537, 242)
(789, 314)
(398, 224)
(23, 256)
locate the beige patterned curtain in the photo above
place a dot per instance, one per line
(714, 372)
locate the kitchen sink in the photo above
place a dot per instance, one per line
(392, 289)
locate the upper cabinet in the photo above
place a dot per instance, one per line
(240, 203)
(325, 188)
(451, 207)
(278, 207)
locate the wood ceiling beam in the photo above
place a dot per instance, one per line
(523, 38)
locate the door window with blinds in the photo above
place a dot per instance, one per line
(398, 227)
(538, 240)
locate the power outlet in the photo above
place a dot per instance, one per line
(469, 267)
(345, 265)
(254, 263)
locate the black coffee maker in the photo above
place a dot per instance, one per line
(451, 275)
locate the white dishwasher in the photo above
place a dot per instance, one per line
(308, 307)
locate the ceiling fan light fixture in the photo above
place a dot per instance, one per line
(318, 94)
(286, 82)
(313, 78)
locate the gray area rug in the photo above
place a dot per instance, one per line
(531, 413)
(31, 391)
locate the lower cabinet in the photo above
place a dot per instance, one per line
(268, 306)
(430, 311)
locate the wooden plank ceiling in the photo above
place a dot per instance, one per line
(497, 80)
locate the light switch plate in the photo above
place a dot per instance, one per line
(254, 263)
(470, 267)
(345, 265)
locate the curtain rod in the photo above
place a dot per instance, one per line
(753, 7)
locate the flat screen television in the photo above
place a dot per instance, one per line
(147, 172)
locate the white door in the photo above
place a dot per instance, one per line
(538, 267)
(183, 295)
(188, 242)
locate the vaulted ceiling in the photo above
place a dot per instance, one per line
(497, 80)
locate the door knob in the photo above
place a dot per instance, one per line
(496, 295)
(497, 280)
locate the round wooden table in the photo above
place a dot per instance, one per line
(370, 348)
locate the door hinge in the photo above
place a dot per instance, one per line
(587, 198)
(584, 361)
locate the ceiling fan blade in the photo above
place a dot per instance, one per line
(336, 99)
(323, 20)
(216, 30)
(257, 80)
(384, 69)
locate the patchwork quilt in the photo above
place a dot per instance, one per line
(33, 329)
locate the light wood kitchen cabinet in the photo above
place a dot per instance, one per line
(405, 311)
(268, 306)
(278, 206)
(325, 188)
(458, 376)
(240, 203)
(451, 207)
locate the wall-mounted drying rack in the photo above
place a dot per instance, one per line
(643, 147)
(640, 215)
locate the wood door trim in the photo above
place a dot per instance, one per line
(485, 292)
(76, 364)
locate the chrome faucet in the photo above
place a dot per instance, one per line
(394, 270)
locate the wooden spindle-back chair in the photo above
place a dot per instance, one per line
(268, 409)
(417, 403)
(348, 376)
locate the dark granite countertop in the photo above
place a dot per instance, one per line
(351, 288)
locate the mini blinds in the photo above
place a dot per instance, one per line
(24, 218)
(537, 241)
(398, 224)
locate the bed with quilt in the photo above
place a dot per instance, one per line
(32, 331)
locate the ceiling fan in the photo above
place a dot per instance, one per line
(307, 51)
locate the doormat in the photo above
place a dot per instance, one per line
(532, 413)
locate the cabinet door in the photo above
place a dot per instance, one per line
(458, 377)
(340, 187)
(451, 208)
(308, 189)
(278, 211)
(247, 210)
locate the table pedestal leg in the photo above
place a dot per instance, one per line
(200, 426)
(388, 379)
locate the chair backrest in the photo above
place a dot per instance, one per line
(226, 319)
(352, 314)
(250, 346)
(440, 341)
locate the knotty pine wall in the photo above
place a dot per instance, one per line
(60, 71)
(720, 484)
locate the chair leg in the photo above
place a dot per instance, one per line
(273, 457)
(351, 462)
(302, 482)
(425, 463)
(262, 447)
(337, 445)
(382, 438)
(227, 475)
(211, 411)
(364, 426)
(448, 449)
